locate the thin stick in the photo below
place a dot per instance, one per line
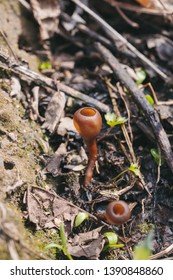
(123, 127)
(121, 38)
(29, 75)
(8, 44)
(129, 21)
(137, 9)
(127, 138)
(141, 101)
(25, 4)
(168, 250)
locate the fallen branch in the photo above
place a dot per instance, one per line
(28, 75)
(141, 101)
(117, 36)
(166, 251)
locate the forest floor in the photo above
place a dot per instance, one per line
(57, 57)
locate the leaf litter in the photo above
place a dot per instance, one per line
(48, 210)
(82, 69)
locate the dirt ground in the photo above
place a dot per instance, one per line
(55, 58)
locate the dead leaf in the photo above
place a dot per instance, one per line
(87, 244)
(165, 113)
(66, 124)
(46, 13)
(53, 166)
(164, 48)
(54, 111)
(16, 88)
(74, 167)
(48, 210)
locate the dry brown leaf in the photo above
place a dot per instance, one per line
(165, 113)
(48, 210)
(53, 166)
(46, 13)
(54, 111)
(87, 244)
(72, 167)
(66, 124)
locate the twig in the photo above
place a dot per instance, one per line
(94, 35)
(141, 101)
(137, 9)
(119, 37)
(123, 127)
(29, 75)
(25, 4)
(126, 136)
(168, 250)
(8, 44)
(129, 21)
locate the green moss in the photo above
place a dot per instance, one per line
(4, 254)
(71, 178)
(42, 238)
(5, 86)
(145, 227)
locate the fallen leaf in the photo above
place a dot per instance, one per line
(54, 111)
(87, 244)
(48, 210)
(46, 13)
(53, 165)
(66, 124)
(165, 113)
(74, 167)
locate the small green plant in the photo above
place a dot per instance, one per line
(44, 65)
(111, 241)
(133, 168)
(149, 99)
(63, 245)
(82, 216)
(144, 250)
(157, 157)
(141, 76)
(112, 120)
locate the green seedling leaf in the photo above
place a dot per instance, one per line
(64, 242)
(112, 239)
(150, 99)
(62, 247)
(53, 245)
(45, 65)
(112, 120)
(144, 250)
(158, 159)
(62, 235)
(82, 216)
(134, 168)
(141, 76)
(120, 120)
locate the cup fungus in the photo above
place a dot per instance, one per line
(88, 123)
(117, 212)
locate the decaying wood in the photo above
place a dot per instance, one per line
(141, 101)
(31, 76)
